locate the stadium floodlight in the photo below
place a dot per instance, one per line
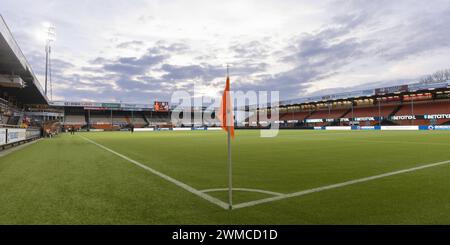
(50, 37)
(50, 33)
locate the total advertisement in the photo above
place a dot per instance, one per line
(32, 133)
(15, 135)
(439, 127)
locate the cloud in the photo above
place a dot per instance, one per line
(133, 65)
(204, 71)
(300, 48)
(130, 44)
(253, 49)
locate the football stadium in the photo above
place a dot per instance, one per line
(376, 155)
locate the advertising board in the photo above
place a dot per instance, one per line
(15, 135)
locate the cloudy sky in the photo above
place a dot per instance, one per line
(138, 51)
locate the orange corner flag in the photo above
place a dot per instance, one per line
(226, 116)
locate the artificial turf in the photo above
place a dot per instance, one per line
(69, 180)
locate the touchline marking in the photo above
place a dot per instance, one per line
(166, 177)
(342, 184)
(244, 189)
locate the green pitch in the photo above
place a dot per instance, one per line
(70, 179)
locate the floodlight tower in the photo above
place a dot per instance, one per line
(50, 31)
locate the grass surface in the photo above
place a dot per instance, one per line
(68, 180)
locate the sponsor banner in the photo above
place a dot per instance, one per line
(143, 129)
(367, 127)
(44, 113)
(358, 119)
(318, 128)
(99, 105)
(399, 127)
(95, 108)
(338, 128)
(440, 127)
(403, 117)
(2, 136)
(181, 129)
(15, 135)
(111, 105)
(214, 128)
(116, 109)
(313, 120)
(437, 116)
(83, 104)
(132, 109)
(199, 128)
(390, 90)
(32, 133)
(96, 130)
(128, 105)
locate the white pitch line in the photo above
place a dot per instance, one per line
(342, 184)
(244, 189)
(166, 177)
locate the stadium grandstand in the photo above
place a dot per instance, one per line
(110, 116)
(421, 104)
(20, 96)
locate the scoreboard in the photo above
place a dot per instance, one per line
(161, 106)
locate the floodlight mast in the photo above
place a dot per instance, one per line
(50, 38)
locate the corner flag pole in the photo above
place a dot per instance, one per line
(230, 166)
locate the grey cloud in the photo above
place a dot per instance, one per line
(208, 72)
(164, 47)
(254, 49)
(175, 72)
(423, 34)
(129, 44)
(319, 55)
(133, 65)
(98, 60)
